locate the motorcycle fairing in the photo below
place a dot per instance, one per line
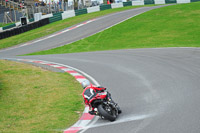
(89, 94)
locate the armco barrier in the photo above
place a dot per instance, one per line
(68, 14)
(105, 7)
(93, 9)
(24, 28)
(159, 1)
(117, 5)
(146, 2)
(129, 3)
(170, 1)
(137, 3)
(8, 26)
(80, 12)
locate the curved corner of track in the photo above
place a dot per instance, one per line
(86, 119)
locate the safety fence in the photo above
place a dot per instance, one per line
(67, 14)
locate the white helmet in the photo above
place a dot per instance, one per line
(85, 83)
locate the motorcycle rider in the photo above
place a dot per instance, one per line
(90, 92)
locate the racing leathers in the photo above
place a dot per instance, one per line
(90, 92)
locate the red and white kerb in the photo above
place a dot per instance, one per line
(86, 117)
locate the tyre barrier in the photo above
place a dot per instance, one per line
(170, 1)
(105, 7)
(147, 2)
(129, 3)
(31, 20)
(56, 17)
(194, 0)
(8, 26)
(80, 12)
(24, 28)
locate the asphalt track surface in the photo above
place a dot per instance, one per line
(157, 89)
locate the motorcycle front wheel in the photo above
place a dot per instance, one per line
(107, 112)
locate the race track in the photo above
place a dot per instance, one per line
(157, 89)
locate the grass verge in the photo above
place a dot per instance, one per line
(171, 26)
(56, 26)
(37, 100)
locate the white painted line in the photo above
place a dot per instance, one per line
(65, 31)
(79, 25)
(56, 34)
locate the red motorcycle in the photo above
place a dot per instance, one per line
(106, 107)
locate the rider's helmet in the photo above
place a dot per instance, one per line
(85, 83)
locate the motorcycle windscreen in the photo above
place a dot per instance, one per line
(89, 94)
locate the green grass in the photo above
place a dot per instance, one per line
(56, 26)
(37, 100)
(172, 26)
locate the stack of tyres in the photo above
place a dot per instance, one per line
(194, 0)
(9, 26)
(105, 7)
(56, 17)
(24, 28)
(170, 1)
(129, 3)
(31, 20)
(80, 12)
(146, 2)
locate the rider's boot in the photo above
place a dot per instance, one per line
(92, 112)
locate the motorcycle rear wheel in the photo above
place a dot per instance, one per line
(106, 114)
